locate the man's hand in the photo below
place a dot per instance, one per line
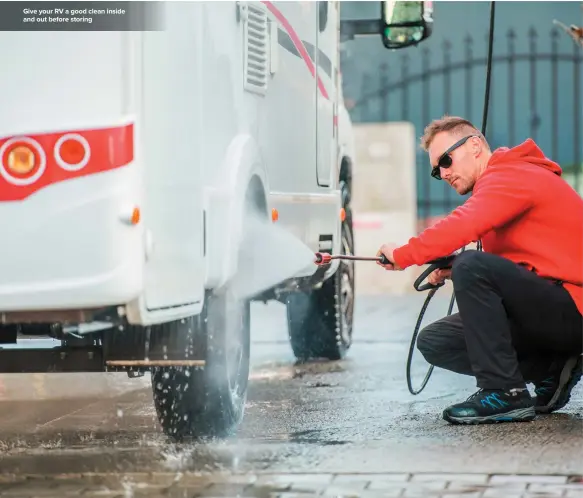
(438, 276)
(387, 250)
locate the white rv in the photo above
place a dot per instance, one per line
(129, 165)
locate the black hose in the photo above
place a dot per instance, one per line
(446, 262)
(488, 68)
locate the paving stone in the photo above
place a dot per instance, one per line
(467, 487)
(240, 478)
(385, 492)
(356, 478)
(546, 488)
(495, 479)
(515, 487)
(102, 491)
(550, 494)
(294, 483)
(226, 489)
(281, 482)
(473, 478)
(174, 493)
(295, 478)
(427, 485)
(501, 493)
(380, 485)
(294, 495)
(354, 487)
(385, 477)
(463, 495)
(40, 491)
(343, 491)
(308, 487)
(350, 482)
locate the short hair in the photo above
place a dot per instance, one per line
(453, 124)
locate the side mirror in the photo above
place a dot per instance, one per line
(406, 23)
(401, 24)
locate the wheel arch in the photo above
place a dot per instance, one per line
(243, 178)
(346, 170)
(345, 176)
(256, 197)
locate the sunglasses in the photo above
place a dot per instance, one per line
(445, 160)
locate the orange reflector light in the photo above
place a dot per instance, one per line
(135, 219)
(342, 214)
(72, 151)
(274, 215)
(21, 160)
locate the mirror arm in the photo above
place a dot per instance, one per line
(359, 27)
(411, 24)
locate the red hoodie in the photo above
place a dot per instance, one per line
(522, 210)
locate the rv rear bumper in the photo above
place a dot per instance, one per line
(73, 245)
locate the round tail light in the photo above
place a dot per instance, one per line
(72, 152)
(22, 161)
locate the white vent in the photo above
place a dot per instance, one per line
(256, 45)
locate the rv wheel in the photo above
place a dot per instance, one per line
(199, 402)
(320, 321)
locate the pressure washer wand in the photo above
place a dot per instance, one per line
(325, 258)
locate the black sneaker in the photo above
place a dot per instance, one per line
(554, 391)
(489, 406)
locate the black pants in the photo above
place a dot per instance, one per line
(511, 324)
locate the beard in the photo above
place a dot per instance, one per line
(463, 188)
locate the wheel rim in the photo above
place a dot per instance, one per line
(346, 293)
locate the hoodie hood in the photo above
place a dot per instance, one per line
(527, 152)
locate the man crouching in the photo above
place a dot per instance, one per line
(520, 300)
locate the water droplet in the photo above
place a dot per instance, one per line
(119, 413)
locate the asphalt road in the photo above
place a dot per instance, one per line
(350, 417)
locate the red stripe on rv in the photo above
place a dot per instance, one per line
(104, 149)
(297, 43)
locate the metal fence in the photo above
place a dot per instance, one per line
(534, 94)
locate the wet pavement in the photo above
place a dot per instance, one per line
(347, 428)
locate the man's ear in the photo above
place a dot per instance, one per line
(476, 146)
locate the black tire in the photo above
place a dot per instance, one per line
(320, 322)
(196, 402)
(200, 403)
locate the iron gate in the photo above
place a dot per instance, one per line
(535, 93)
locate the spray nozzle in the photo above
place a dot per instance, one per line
(323, 258)
(326, 259)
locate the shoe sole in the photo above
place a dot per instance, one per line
(570, 376)
(518, 415)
